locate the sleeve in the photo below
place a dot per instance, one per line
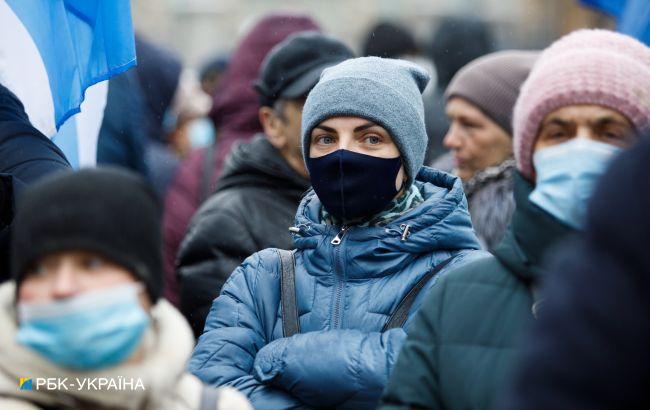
(414, 381)
(343, 368)
(234, 333)
(216, 243)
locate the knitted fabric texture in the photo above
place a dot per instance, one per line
(492, 83)
(385, 91)
(586, 67)
(105, 210)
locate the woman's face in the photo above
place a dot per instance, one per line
(476, 141)
(354, 134)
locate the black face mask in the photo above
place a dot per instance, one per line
(352, 185)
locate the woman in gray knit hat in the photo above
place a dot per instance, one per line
(369, 238)
(480, 100)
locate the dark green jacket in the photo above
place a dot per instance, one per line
(463, 340)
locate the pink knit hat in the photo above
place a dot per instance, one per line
(598, 67)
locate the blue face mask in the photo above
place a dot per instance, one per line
(201, 133)
(352, 185)
(92, 331)
(566, 176)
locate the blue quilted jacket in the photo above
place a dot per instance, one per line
(345, 294)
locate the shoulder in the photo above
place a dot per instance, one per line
(261, 268)
(476, 268)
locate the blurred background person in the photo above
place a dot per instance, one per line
(235, 114)
(211, 73)
(585, 99)
(262, 181)
(589, 348)
(185, 127)
(86, 301)
(480, 100)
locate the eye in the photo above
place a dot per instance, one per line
(612, 136)
(372, 139)
(324, 140)
(92, 262)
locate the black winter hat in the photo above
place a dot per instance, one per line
(105, 210)
(293, 67)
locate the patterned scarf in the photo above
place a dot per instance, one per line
(397, 207)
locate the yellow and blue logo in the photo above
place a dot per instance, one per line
(25, 383)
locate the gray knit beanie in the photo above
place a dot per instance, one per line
(492, 83)
(385, 91)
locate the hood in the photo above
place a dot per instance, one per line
(168, 345)
(236, 104)
(259, 164)
(532, 233)
(440, 224)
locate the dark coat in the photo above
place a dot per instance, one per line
(26, 155)
(464, 338)
(252, 210)
(590, 348)
(345, 293)
(235, 115)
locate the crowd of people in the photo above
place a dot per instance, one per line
(302, 227)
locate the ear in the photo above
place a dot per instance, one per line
(273, 127)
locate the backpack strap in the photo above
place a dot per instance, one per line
(290, 319)
(401, 313)
(209, 398)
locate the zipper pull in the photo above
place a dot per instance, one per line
(406, 231)
(339, 236)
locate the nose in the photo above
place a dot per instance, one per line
(345, 141)
(453, 139)
(586, 132)
(65, 282)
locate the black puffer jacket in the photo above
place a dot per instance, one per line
(26, 155)
(252, 210)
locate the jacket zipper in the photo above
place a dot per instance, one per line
(338, 267)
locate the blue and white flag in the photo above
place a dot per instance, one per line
(52, 51)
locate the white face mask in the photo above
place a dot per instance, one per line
(566, 177)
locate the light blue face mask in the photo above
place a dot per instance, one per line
(566, 176)
(92, 331)
(201, 133)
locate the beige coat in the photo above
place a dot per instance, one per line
(160, 380)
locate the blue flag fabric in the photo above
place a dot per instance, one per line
(632, 16)
(81, 42)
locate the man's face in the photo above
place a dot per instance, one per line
(291, 117)
(67, 274)
(476, 141)
(282, 126)
(585, 121)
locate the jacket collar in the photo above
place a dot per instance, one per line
(440, 223)
(532, 234)
(259, 164)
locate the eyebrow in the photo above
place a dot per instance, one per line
(324, 128)
(609, 120)
(357, 129)
(556, 121)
